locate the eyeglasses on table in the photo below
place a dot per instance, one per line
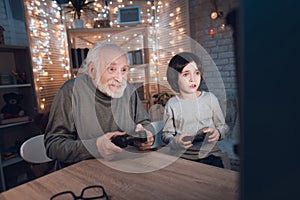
(87, 193)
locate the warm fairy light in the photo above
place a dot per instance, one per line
(47, 45)
(115, 10)
(181, 30)
(222, 27)
(212, 32)
(49, 49)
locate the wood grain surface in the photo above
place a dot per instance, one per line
(181, 179)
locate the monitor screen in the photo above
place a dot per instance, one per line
(129, 15)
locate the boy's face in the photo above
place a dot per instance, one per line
(189, 79)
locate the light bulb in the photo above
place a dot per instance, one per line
(214, 15)
(211, 32)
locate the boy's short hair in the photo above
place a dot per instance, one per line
(176, 65)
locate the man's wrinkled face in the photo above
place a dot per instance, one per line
(113, 79)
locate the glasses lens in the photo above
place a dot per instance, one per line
(63, 196)
(93, 192)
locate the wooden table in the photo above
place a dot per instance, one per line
(178, 179)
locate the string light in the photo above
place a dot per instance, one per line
(49, 46)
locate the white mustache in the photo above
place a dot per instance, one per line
(116, 83)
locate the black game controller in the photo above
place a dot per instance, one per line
(199, 137)
(128, 139)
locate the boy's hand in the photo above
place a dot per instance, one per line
(214, 136)
(182, 143)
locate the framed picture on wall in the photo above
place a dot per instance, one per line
(129, 15)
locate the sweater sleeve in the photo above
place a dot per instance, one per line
(61, 139)
(168, 133)
(218, 117)
(141, 115)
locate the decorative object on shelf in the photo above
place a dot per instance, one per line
(162, 98)
(19, 77)
(78, 23)
(102, 23)
(12, 109)
(2, 35)
(103, 19)
(77, 7)
(7, 79)
(11, 152)
(156, 111)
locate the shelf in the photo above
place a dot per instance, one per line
(15, 130)
(11, 161)
(11, 48)
(15, 124)
(95, 31)
(139, 66)
(15, 86)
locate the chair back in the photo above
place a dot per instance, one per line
(158, 126)
(34, 151)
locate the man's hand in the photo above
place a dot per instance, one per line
(150, 139)
(106, 148)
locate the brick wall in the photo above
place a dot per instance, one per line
(221, 48)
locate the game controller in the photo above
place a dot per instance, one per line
(128, 139)
(199, 137)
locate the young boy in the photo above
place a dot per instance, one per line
(192, 111)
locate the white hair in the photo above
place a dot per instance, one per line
(97, 58)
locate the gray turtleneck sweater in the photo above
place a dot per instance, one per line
(80, 113)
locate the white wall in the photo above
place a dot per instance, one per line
(12, 20)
